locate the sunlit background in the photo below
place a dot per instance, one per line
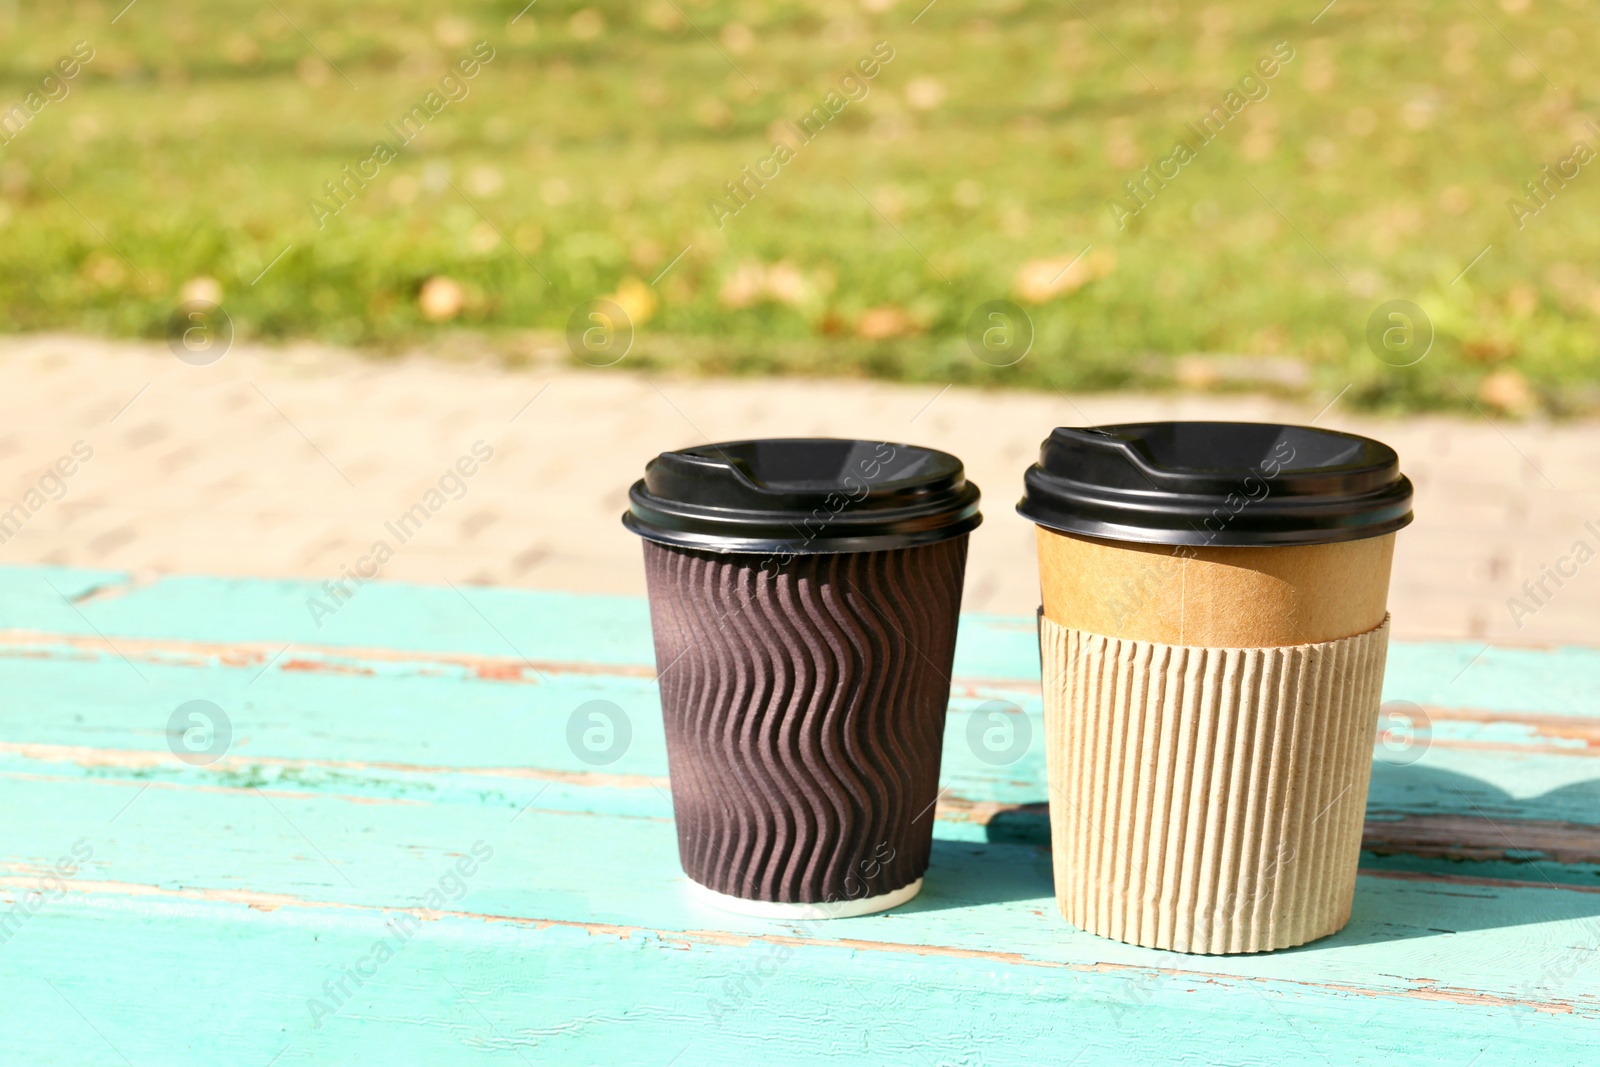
(588, 155)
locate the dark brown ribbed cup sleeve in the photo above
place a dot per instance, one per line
(804, 710)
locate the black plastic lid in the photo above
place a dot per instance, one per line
(1216, 483)
(802, 495)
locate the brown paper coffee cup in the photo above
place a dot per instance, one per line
(804, 715)
(804, 596)
(1210, 708)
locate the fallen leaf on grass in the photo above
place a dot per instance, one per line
(1039, 280)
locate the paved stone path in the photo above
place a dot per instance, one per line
(295, 462)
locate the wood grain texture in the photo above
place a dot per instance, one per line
(373, 754)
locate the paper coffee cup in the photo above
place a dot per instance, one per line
(1213, 634)
(804, 597)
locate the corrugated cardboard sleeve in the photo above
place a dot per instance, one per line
(804, 710)
(1208, 799)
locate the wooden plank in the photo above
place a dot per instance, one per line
(368, 760)
(561, 627)
(216, 900)
(181, 981)
(275, 845)
(373, 718)
(383, 705)
(1449, 845)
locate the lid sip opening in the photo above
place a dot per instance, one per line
(1216, 483)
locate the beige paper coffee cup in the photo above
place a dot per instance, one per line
(1210, 709)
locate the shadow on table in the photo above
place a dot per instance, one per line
(1460, 856)
(964, 874)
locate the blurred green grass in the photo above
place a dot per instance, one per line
(986, 154)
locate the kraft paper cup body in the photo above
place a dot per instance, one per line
(1232, 597)
(804, 678)
(1211, 706)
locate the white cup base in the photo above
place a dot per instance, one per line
(839, 909)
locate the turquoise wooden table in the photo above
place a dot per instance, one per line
(390, 841)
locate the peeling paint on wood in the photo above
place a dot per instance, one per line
(369, 756)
